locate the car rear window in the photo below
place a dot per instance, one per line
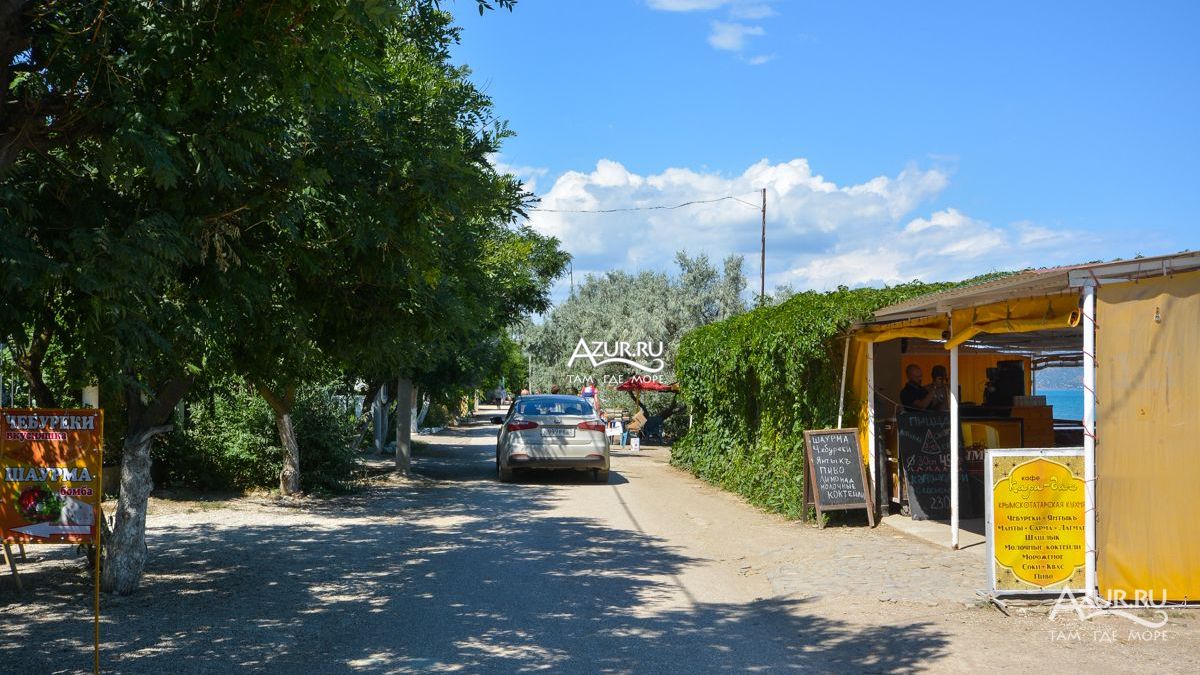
(554, 407)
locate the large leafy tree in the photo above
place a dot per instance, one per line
(64, 64)
(645, 307)
(179, 182)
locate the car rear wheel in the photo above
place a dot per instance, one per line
(600, 475)
(505, 475)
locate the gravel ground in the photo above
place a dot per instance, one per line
(452, 571)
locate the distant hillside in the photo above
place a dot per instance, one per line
(1060, 378)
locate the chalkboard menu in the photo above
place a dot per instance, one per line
(835, 472)
(925, 456)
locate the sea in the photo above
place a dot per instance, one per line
(1068, 403)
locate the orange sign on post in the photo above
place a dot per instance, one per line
(50, 475)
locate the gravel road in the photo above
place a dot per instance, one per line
(452, 571)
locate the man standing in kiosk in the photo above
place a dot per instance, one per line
(914, 396)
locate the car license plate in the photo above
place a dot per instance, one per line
(558, 433)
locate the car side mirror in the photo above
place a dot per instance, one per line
(496, 420)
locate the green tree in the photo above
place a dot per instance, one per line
(644, 307)
(147, 219)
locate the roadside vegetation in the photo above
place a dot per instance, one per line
(756, 382)
(218, 209)
(651, 307)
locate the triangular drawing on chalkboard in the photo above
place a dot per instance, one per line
(931, 445)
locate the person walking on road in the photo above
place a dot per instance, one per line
(591, 394)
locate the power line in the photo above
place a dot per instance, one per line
(650, 208)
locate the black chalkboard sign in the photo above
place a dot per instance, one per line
(835, 472)
(925, 456)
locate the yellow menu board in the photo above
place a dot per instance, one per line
(1036, 520)
(50, 475)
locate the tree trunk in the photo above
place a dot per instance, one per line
(289, 477)
(379, 418)
(364, 420)
(125, 548)
(29, 360)
(404, 395)
(425, 405)
(42, 395)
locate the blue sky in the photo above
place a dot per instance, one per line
(932, 140)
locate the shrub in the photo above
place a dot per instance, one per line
(754, 383)
(231, 442)
(439, 415)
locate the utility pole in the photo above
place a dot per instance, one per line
(762, 262)
(531, 373)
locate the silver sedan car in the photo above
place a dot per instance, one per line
(551, 431)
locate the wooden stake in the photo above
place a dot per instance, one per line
(12, 566)
(98, 554)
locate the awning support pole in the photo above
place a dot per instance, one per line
(1089, 432)
(842, 396)
(871, 415)
(954, 447)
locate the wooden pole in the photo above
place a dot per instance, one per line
(762, 262)
(96, 582)
(12, 566)
(842, 395)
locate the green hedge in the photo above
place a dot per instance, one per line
(754, 383)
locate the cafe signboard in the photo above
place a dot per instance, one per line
(50, 463)
(1036, 521)
(836, 478)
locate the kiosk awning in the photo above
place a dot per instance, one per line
(925, 327)
(1015, 316)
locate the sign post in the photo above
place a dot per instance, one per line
(835, 472)
(1036, 526)
(50, 482)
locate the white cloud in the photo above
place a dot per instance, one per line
(948, 219)
(1036, 235)
(739, 9)
(945, 246)
(528, 175)
(687, 5)
(732, 36)
(820, 234)
(751, 10)
(729, 35)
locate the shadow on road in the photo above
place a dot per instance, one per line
(462, 574)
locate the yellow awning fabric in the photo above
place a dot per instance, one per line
(1015, 316)
(925, 327)
(1147, 452)
(856, 403)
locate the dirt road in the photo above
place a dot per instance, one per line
(453, 571)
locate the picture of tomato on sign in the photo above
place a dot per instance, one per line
(50, 463)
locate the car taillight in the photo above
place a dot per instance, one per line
(593, 425)
(521, 425)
